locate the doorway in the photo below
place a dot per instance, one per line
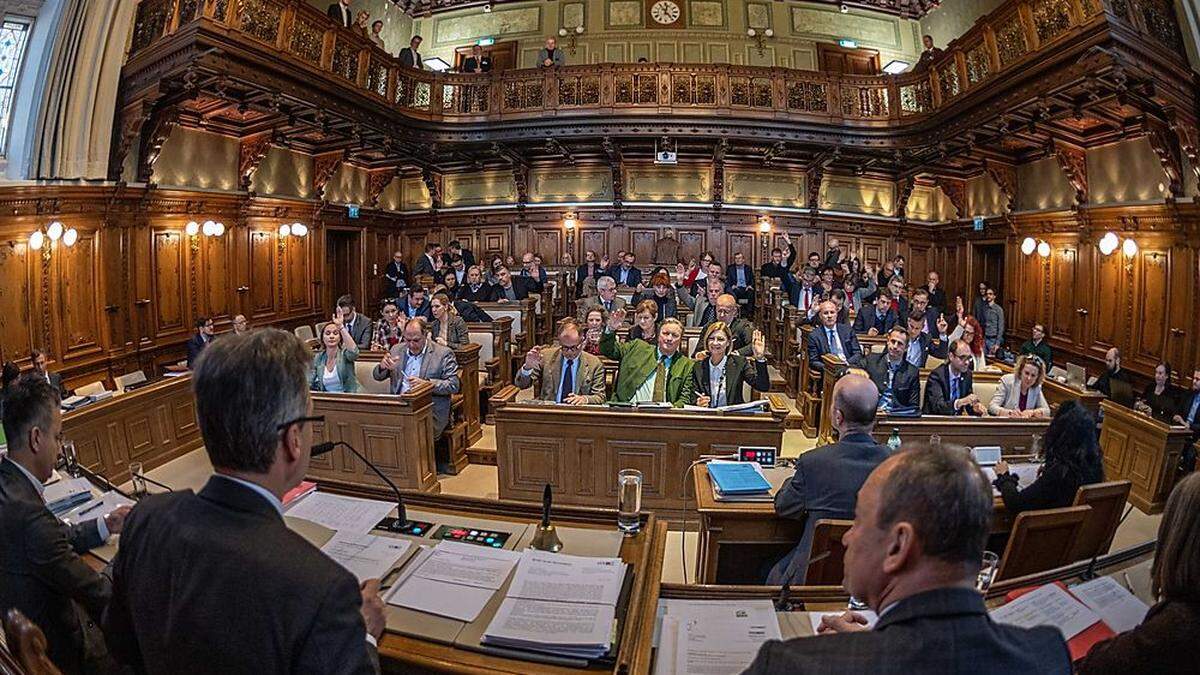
(833, 58)
(503, 55)
(343, 266)
(987, 267)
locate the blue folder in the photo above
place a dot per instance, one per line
(737, 479)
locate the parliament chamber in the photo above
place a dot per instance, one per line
(638, 336)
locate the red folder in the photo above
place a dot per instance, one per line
(304, 488)
(1082, 643)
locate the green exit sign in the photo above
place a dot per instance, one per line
(486, 42)
(848, 44)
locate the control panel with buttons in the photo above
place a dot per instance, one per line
(489, 538)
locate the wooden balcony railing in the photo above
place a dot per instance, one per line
(998, 45)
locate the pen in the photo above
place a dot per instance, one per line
(91, 508)
(1127, 583)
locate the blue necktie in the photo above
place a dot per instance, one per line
(953, 390)
(568, 382)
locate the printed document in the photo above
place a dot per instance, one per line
(456, 580)
(720, 640)
(366, 556)
(98, 507)
(344, 514)
(570, 629)
(567, 578)
(1049, 605)
(1119, 608)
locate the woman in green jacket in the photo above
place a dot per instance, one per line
(333, 368)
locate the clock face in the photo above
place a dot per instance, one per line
(665, 12)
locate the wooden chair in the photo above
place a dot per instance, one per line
(24, 649)
(304, 332)
(826, 553)
(1107, 501)
(1042, 540)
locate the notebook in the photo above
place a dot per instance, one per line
(737, 478)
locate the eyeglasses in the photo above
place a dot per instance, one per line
(570, 348)
(300, 420)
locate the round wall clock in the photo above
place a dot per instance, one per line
(665, 12)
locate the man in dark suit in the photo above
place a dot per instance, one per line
(1112, 359)
(455, 248)
(727, 312)
(831, 337)
(739, 280)
(921, 344)
(416, 304)
(41, 370)
(937, 294)
(430, 262)
(41, 572)
(358, 325)
(898, 380)
(590, 269)
(341, 13)
(475, 289)
(396, 275)
(780, 264)
(833, 254)
(200, 340)
(624, 273)
(215, 582)
(1189, 416)
(512, 289)
(948, 391)
(877, 320)
(919, 304)
(914, 562)
(410, 57)
(802, 293)
(827, 479)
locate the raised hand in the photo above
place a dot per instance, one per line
(758, 344)
(942, 325)
(616, 318)
(787, 238)
(958, 305)
(338, 319)
(604, 261)
(872, 331)
(641, 288)
(533, 358)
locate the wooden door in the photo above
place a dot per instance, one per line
(503, 55)
(343, 267)
(833, 58)
(1065, 324)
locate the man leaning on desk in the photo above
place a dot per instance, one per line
(215, 582)
(914, 562)
(658, 373)
(41, 572)
(567, 373)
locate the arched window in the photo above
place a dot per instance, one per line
(14, 38)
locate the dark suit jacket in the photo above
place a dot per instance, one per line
(770, 269)
(424, 266)
(409, 58)
(937, 392)
(425, 310)
(582, 274)
(1164, 643)
(1104, 382)
(633, 279)
(945, 630)
(470, 312)
(335, 12)
(906, 385)
(195, 345)
(937, 347)
(937, 298)
(486, 293)
(738, 369)
(484, 64)
(522, 287)
(743, 339)
(397, 277)
(731, 277)
(825, 485)
(1185, 407)
(41, 573)
(868, 318)
(360, 330)
(216, 583)
(818, 346)
(55, 381)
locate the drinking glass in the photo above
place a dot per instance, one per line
(857, 605)
(138, 478)
(935, 441)
(629, 500)
(987, 571)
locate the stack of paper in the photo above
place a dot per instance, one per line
(455, 580)
(343, 514)
(367, 556)
(65, 495)
(1085, 615)
(738, 481)
(559, 604)
(95, 508)
(713, 638)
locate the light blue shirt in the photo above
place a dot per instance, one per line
(562, 378)
(741, 276)
(835, 342)
(914, 353)
(716, 382)
(101, 526)
(1191, 418)
(255, 487)
(412, 368)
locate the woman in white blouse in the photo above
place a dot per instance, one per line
(1020, 392)
(333, 367)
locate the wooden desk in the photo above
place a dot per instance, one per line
(1013, 435)
(1143, 450)
(579, 450)
(395, 432)
(152, 425)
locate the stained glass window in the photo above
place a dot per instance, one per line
(14, 35)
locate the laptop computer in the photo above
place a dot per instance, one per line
(1076, 375)
(1122, 392)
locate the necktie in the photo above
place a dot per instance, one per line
(835, 346)
(953, 389)
(710, 315)
(568, 382)
(607, 306)
(1195, 405)
(660, 380)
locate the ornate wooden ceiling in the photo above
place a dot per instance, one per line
(1011, 90)
(911, 9)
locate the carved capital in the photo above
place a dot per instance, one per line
(251, 153)
(904, 190)
(377, 182)
(815, 175)
(1073, 162)
(1188, 143)
(433, 183)
(324, 166)
(1005, 178)
(1166, 146)
(153, 134)
(955, 190)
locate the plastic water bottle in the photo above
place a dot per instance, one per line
(894, 440)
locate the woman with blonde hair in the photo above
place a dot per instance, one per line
(333, 367)
(1020, 392)
(447, 328)
(719, 376)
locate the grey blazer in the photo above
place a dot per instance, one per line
(439, 367)
(1008, 394)
(697, 303)
(456, 331)
(360, 330)
(595, 301)
(589, 382)
(345, 370)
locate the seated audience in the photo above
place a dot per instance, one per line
(566, 373)
(876, 320)
(531, 268)
(937, 295)
(659, 373)
(195, 345)
(697, 272)
(240, 325)
(1112, 359)
(418, 360)
(919, 304)
(914, 561)
(802, 294)
(447, 328)
(660, 293)
(1189, 416)
(1072, 460)
(780, 265)
(645, 322)
(455, 250)
(739, 280)
(476, 289)
(1019, 393)
(590, 269)
(41, 572)
(593, 327)
(831, 337)
(1160, 398)
(493, 266)
(216, 581)
(624, 272)
(828, 478)
(838, 297)
(449, 280)
(1165, 642)
(720, 373)
(41, 364)
(358, 325)
(333, 367)
(606, 298)
(1038, 346)
(898, 380)
(388, 328)
(968, 331)
(922, 345)
(949, 388)
(513, 289)
(416, 304)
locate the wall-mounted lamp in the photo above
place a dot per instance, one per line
(764, 224)
(573, 35)
(764, 230)
(570, 222)
(1129, 248)
(55, 232)
(293, 230)
(1028, 246)
(1043, 249)
(210, 228)
(760, 38)
(1109, 243)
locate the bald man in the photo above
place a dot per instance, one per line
(727, 311)
(1112, 359)
(828, 478)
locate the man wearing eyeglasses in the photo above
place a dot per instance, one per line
(215, 580)
(949, 389)
(567, 373)
(397, 276)
(417, 360)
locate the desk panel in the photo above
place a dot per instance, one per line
(1143, 450)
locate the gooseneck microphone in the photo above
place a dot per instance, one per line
(70, 464)
(328, 446)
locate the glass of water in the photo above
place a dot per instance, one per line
(629, 500)
(987, 571)
(138, 477)
(857, 605)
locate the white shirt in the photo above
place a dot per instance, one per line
(101, 526)
(331, 380)
(716, 383)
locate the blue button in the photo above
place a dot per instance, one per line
(491, 539)
(497, 544)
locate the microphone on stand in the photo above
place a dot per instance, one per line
(70, 464)
(402, 524)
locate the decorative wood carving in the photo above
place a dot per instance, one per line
(815, 175)
(1188, 143)
(718, 183)
(153, 134)
(251, 153)
(904, 190)
(1073, 162)
(377, 182)
(616, 164)
(1166, 147)
(955, 190)
(324, 166)
(1005, 177)
(433, 183)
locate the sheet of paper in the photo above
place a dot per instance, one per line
(1025, 473)
(344, 514)
(99, 507)
(1119, 608)
(667, 644)
(568, 578)
(468, 565)
(722, 640)
(443, 599)
(555, 625)
(815, 618)
(1049, 605)
(366, 556)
